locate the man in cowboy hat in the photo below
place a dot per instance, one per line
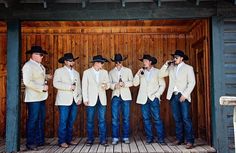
(121, 80)
(181, 84)
(150, 91)
(95, 82)
(67, 82)
(36, 92)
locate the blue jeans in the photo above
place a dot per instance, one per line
(152, 109)
(66, 121)
(182, 119)
(91, 110)
(117, 104)
(35, 123)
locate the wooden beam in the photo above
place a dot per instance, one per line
(197, 2)
(4, 2)
(83, 2)
(158, 2)
(13, 86)
(123, 3)
(44, 4)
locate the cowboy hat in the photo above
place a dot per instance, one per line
(99, 58)
(67, 57)
(150, 58)
(36, 49)
(118, 58)
(181, 54)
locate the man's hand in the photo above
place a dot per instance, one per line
(45, 88)
(86, 103)
(122, 84)
(104, 86)
(72, 87)
(79, 102)
(49, 76)
(182, 98)
(117, 86)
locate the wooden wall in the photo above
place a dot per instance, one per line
(131, 38)
(2, 78)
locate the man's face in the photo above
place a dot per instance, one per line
(118, 65)
(38, 57)
(99, 65)
(147, 63)
(70, 63)
(178, 59)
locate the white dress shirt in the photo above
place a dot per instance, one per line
(70, 73)
(176, 74)
(147, 74)
(96, 74)
(118, 72)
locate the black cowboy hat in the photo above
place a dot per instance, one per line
(67, 57)
(118, 58)
(36, 49)
(99, 58)
(150, 58)
(181, 54)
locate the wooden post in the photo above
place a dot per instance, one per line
(13, 86)
(230, 101)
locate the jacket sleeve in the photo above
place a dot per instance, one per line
(162, 86)
(85, 87)
(79, 91)
(57, 83)
(129, 83)
(190, 83)
(112, 84)
(107, 80)
(27, 80)
(164, 72)
(136, 80)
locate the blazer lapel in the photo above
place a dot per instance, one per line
(93, 75)
(67, 74)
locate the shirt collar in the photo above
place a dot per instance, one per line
(95, 70)
(117, 69)
(35, 62)
(68, 68)
(179, 65)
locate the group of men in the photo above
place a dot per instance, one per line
(95, 82)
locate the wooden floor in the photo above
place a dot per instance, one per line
(137, 145)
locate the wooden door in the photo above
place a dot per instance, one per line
(202, 89)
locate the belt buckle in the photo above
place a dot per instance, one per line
(176, 93)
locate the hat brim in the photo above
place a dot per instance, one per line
(99, 60)
(62, 59)
(31, 52)
(113, 60)
(185, 57)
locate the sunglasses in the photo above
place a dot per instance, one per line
(40, 54)
(118, 62)
(70, 60)
(176, 57)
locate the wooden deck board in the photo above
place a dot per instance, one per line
(137, 145)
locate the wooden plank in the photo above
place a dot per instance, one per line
(95, 146)
(117, 148)
(110, 148)
(140, 145)
(80, 145)
(72, 147)
(133, 145)
(125, 148)
(149, 147)
(173, 148)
